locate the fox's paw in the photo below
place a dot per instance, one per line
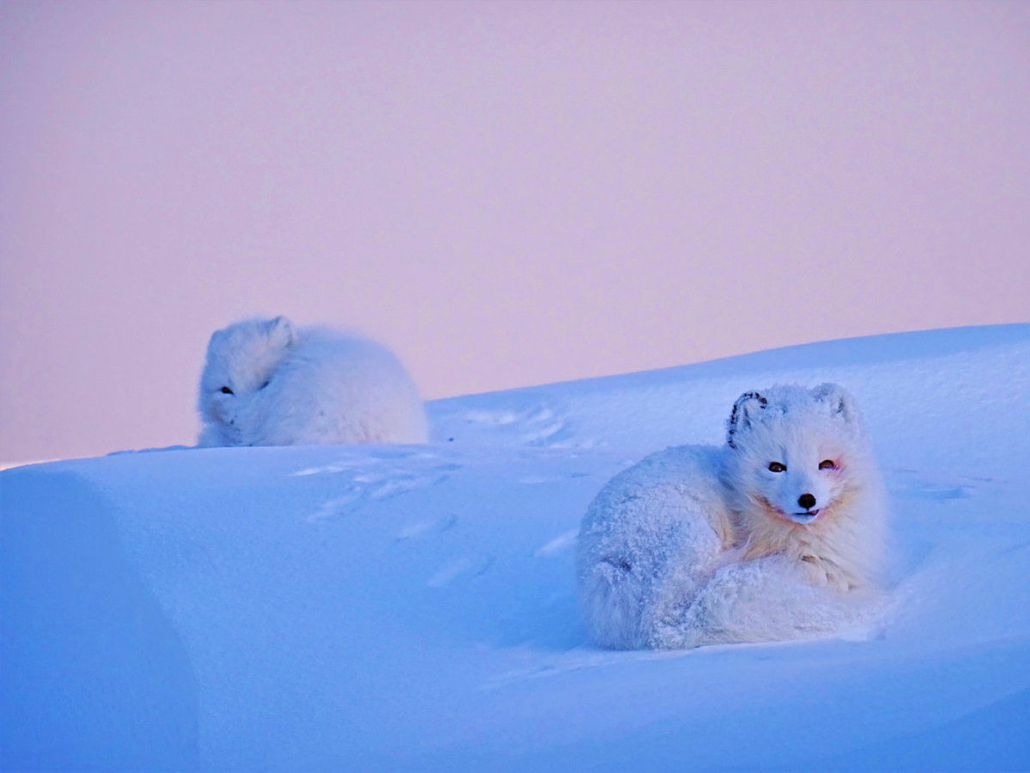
(821, 572)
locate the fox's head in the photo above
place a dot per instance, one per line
(793, 452)
(240, 361)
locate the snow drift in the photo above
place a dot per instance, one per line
(414, 607)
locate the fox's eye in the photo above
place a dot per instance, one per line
(263, 385)
(227, 391)
(827, 464)
(777, 467)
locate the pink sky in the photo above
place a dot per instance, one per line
(507, 193)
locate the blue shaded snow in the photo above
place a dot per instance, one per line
(413, 607)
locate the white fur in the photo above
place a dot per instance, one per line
(295, 386)
(702, 544)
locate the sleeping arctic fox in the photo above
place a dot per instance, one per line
(778, 534)
(266, 383)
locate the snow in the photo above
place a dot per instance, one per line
(412, 607)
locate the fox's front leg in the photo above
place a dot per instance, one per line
(822, 572)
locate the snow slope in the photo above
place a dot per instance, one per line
(413, 608)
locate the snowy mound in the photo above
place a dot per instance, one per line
(414, 607)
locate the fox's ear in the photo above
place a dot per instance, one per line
(281, 332)
(838, 401)
(744, 413)
(216, 340)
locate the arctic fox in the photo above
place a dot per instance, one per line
(778, 534)
(266, 383)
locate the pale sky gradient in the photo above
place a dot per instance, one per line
(507, 193)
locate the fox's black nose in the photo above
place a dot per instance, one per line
(807, 501)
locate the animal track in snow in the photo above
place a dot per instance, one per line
(389, 486)
(535, 479)
(374, 460)
(422, 528)
(377, 480)
(542, 426)
(494, 418)
(337, 467)
(560, 543)
(577, 659)
(468, 567)
(536, 425)
(912, 484)
(332, 508)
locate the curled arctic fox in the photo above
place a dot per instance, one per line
(267, 383)
(779, 534)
